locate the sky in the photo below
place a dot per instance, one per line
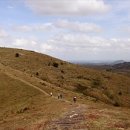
(72, 30)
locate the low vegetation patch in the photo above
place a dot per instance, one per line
(55, 64)
(17, 55)
(96, 83)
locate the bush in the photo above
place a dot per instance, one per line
(116, 104)
(120, 93)
(22, 110)
(80, 77)
(62, 71)
(37, 73)
(55, 64)
(17, 55)
(61, 63)
(109, 70)
(62, 77)
(80, 88)
(49, 64)
(110, 94)
(96, 82)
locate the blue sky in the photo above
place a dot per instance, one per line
(79, 30)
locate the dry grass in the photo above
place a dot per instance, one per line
(69, 76)
(22, 103)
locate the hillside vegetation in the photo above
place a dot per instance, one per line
(27, 78)
(102, 85)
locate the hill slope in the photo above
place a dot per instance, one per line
(28, 77)
(105, 86)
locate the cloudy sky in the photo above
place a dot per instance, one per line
(78, 30)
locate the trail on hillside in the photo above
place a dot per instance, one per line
(79, 117)
(17, 78)
(85, 117)
(7, 70)
(70, 120)
(39, 89)
(74, 119)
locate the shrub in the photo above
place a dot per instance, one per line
(109, 70)
(120, 93)
(88, 79)
(107, 77)
(17, 55)
(61, 63)
(62, 71)
(37, 73)
(49, 64)
(80, 77)
(62, 77)
(96, 82)
(110, 94)
(116, 104)
(55, 64)
(22, 110)
(42, 83)
(80, 88)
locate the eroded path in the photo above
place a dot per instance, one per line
(72, 120)
(85, 117)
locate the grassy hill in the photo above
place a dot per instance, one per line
(27, 78)
(106, 86)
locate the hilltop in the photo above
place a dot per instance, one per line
(27, 78)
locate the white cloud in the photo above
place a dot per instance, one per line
(20, 42)
(84, 47)
(23, 28)
(68, 7)
(78, 40)
(36, 27)
(3, 33)
(60, 24)
(45, 48)
(74, 46)
(78, 26)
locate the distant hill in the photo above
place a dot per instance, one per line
(117, 62)
(124, 66)
(98, 62)
(120, 66)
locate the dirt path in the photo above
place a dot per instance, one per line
(39, 89)
(17, 78)
(83, 117)
(7, 71)
(79, 117)
(74, 119)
